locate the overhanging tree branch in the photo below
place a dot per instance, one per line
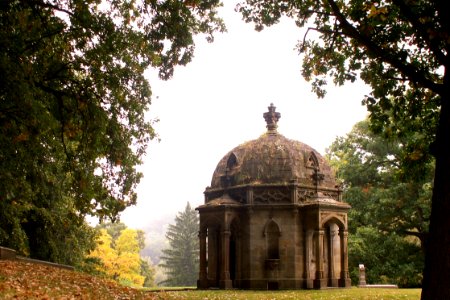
(433, 44)
(384, 55)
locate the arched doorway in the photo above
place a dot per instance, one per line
(272, 233)
(335, 261)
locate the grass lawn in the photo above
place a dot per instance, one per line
(341, 294)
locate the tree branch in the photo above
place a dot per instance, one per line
(433, 44)
(54, 7)
(314, 29)
(383, 54)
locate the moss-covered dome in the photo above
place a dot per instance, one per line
(272, 159)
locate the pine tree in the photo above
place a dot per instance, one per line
(181, 258)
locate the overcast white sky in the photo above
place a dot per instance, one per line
(216, 103)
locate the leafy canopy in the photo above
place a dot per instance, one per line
(73, 103)
(390, 201)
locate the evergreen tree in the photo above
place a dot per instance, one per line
(181, 258)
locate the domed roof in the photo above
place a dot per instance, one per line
(272, 159)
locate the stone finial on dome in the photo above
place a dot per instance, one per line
(272, 118)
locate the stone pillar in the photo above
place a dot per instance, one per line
(238, 258)
(308, 252)
(332, 275)
(202, 282)
(225, 282)
(213, 252)
(345, 280)
(319, 282)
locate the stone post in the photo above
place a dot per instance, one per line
(225, 282)
(331, 271)
(362, 276)
(308, 247)
(202, 282)
(344, 281)
(319, 282)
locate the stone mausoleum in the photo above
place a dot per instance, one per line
(273, 218)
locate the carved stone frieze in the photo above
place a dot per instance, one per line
(332, 195)
(274, 195)
(303, 195)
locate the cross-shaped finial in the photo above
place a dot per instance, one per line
(271, 118)
(317, 178)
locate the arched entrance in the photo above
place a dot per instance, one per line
(335, 261)
(272, 234)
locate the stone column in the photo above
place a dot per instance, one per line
(202, 282)
(333, 279)
(344, 281)
(319, 282)
(213, 252)
(238, 275)
(308, 252)
(225, 282)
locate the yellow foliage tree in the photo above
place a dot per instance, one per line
(122, 263)
(128, 268)
(106, 253)
(127, 241)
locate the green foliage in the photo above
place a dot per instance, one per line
(381, 183)
(93, 266)
(181, 258)
(73, 99)
(390, 200)
(387, 257)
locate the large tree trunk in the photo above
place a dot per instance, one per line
(436, 281)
